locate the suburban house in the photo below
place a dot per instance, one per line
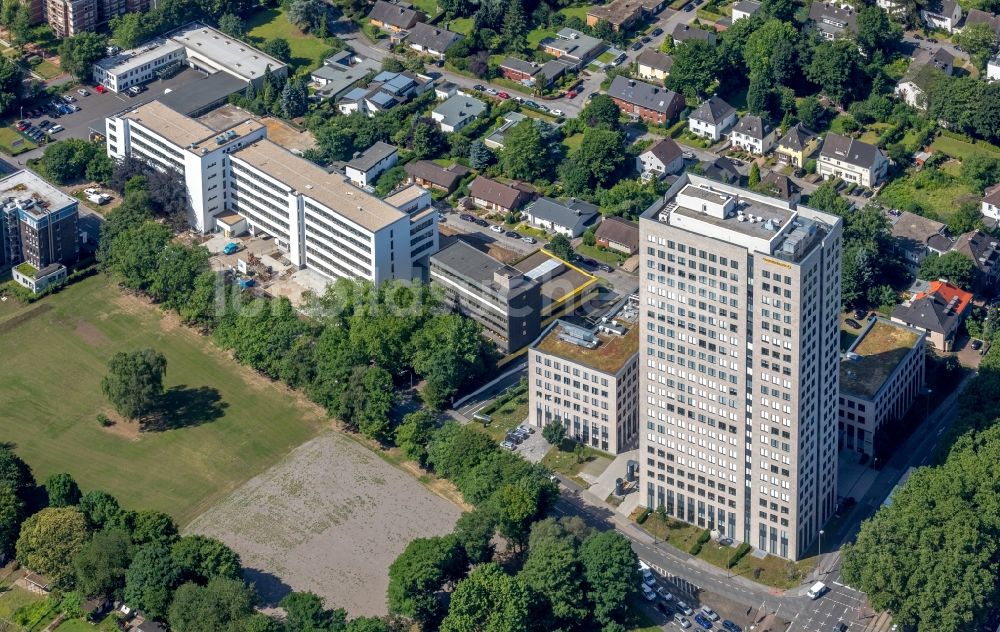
(496, 196)
(622, 14)
(618, 234)
(686, 32)
(573, 47)
(662, 157)
(445, 90)
(712, 118)
(394, 16)
(531, 73)
(993, 68)
(852, 160)
(917, 237)
(983, 250)
(924, 69)
(654, 65)
(754, 135)
(797, 145)
(457, 112)
(833, 21)
(978, 16)
(942, 14)
(386, 91)
(991, 203)
(496, 139)
(745, 9)
(781, 186)
(723, 170)
(938, 312)
(365, 168)
(645, 101)
(431, 40)
(433, 176)
(568, 218)
(340, 73)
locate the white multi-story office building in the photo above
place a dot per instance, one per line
(321, 220)
(739, 363)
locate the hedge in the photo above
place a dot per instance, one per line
(740, 553)
(641, 518)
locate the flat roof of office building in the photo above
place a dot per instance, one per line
(565, 281)
(478, 267)
(193, 98)
(874, 356)
(28, 184)
(135, 57)
(330, 190)
(183, 130)
(611, 353)
(234, 55)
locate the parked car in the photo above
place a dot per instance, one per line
(689, 8)
(684, 608)
(604, 267)
(478, 87)
(646, 39)
(860, 314)
(656, 32)
(681, 621)
(648, 594)
(637, 46)
(731, 627)
(977, 345)
(481, 222)
(542, 108)
(512, 234)
(701, 620)
(571, 94)
(853, 323)
(83, 93)
(503, 95)
(664, 608)
(527, 429)
(711, 614)
(507, 445)
(531, 104)
(491, 91)
(467, 217)
(68, 98)
(528, 240)
(56, 129)
(22, 126)
(665, 594)
(496, 229)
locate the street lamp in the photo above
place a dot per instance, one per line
(821, 532)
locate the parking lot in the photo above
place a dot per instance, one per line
(96, 107)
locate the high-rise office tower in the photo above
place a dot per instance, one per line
(739, 363)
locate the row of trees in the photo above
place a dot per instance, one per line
(931, 557)
(966, 105)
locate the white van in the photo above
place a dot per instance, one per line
(816, 590)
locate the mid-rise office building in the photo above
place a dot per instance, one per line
(880, 377)
(739, 363)
(506, 302)
(588, 380)
(318, 218)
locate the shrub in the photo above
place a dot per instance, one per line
(705, 536)
(695, 548)
(740, 553)
(641, 518)
(103, 420)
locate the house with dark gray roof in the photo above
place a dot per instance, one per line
(978, 16)
(852, 160)
(654, 65)
(745, 9)
(712, 118)
(431, 40)
(797, 145)
(339, 74)
(366, 166)
(573, 47)
(938, 312)
(781, 186)
(394, 16)
(686, 33)
(753, 134)
(645, 101)
(721, 169)
(917, 237)
(433, 176)
(833, 21)
(942, 14)
(457, 112)
(984, 250)
(568, 218)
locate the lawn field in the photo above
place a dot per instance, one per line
(959, 148)
(307, 50)
(229, 424)
(12, 143)
(938, 192)
(461, 25)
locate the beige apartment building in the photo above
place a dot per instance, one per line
(588, 380)
(739, 300)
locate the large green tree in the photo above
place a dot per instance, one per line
(49, 541)
(223, 605)
(200, 559)
(101, 564)
(695, 69)
(835, 68)
(524, 155)
(553, 571)
(62, 490)
(78, 53)
(419, 573)
(601, 111)
(611, 570)
(150, 580)
(876, 32)
(11, 516)
(954, 266)
(134, 381)
(489, 600)
(99, 508)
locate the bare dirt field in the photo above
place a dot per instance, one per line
(330, 518)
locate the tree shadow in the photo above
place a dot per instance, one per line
(270, 587)
(184, 407)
